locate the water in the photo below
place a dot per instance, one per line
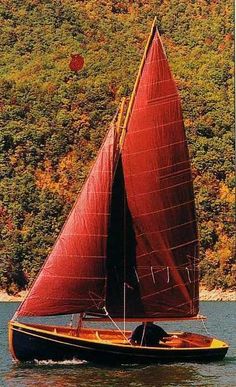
(221, 323)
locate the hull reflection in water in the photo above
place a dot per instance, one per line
(33, 342)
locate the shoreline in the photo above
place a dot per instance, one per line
(204, 295)
(216, 294)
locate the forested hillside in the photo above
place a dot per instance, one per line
(52, 120)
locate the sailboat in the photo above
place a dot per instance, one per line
(128, 251)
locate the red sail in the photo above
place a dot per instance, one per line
(160, 193)
(73, 278)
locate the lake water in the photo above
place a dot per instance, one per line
(221, 323)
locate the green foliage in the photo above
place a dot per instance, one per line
(53, 121)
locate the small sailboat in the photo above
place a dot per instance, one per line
(129, 248)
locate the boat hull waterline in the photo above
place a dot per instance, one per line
(30, 343)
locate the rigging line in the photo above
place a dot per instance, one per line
(144, 330)
(124, 247)
(117, 326)
(194, 271)
(96, 301)
(196, 251)
(124, 303)
(205, 327)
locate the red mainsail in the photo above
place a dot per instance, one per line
(73, 278)
(160, 193)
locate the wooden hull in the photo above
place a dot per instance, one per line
(37, 342)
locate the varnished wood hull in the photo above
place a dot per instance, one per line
(29, 343)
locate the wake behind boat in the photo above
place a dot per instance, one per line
(129, 248)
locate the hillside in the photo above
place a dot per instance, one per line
(53, 120)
